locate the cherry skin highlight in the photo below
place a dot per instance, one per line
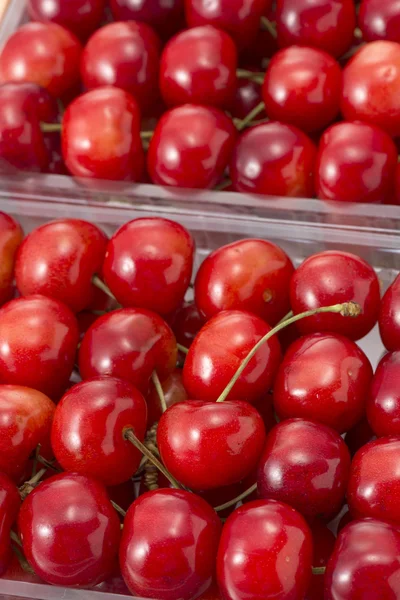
(169, 545)
(11, 236)
(380, 20)
(186, 323)
(81, 17)
(10, 503)
(248, 95)
(389, 317)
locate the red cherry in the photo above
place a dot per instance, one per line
(359, 435)
(265, 552)
(333, 277)
(374, 485)
(263, 47)
(59, 260)
(380, 20)
(365, 563)
(69, 530)
(208, 445)
(199, 66)
(9, 507)
(305, 465)
(87, 435)
(324, 24)
(396, 198)
(248, 95)
(252, 275)
(42, 53)
(274, 159)
(383, 405)
(356, 163)
(217, 352)
(239, 18)
(389, 317)
(371, 86)
(174, 392)
(81, 17)
(165, 16)
(11, 236)
(22, 143)
(25, 416)
(335, 394)
(186, 323)
(149, 264)
(212, 593)
(129, 344)
(38, 340)
(169, 545)
(302, 87)
(101, 136)
(191, 147)
(125, 55)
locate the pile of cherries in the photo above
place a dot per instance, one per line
(181, 449)
(296, 98)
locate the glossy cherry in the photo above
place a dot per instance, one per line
(380, 20)
(125, 55)
(383, 405)
(198, 66)
(191, 147)
(356, 163)
(42, 53)
(365, 563)
(324, 24)
(323, 544)
(302, 87)
(186, 323)
(217, 352)
(59, 260)
(274, 159)
(38, 341)
(306, 465)
(69, 530)
(81, 17)
(359, 435)
(371, 86)
(87, 435)
(252, 275)
(174, 392)
(169, 545)
(239, 18)
(276, 564)
(165, 16)
(335, 394)
(248, 95)
(130, 344)
(9, 507)
(11, 235)
(333, 277)
(149, 264)
(208, 445)
(374, 485)
(389, 317)
(101, 136)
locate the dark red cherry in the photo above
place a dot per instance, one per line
(101, 136)
(252, 275)
(335, 394)
(87, 435)
(389, 317)
(130, 344)
(374, 485)
(81, 17)
(9, 507)
(359, 435)
(239, 18)
(383, 405)
(274, 159)
(302, 87)
(332, 277)
(323, 544)
(59, 260)
(380, 20)
(38, 341)
(11, 235)
(262, 48)
(248, 95)
(191, 147)
(218, 351)
(22, 143)
(306, 465)
(199, 66)
(325, 24)
(165, 16)
(42, 53)
(356, 163)
(149, 264)
(125, 55)
(365, 563)
(69, 530)
(174, 392)
(265, 552)
(169, 545)
(371, 86)
(208, 445)
(186, 323)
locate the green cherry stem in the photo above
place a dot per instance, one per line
(318, 570)
(51, 127)
(182, 349)
(268, 26)
(119, 510)
(157, 384)
(102, 286)
(239, 498)
(347, 309)
(252, 114)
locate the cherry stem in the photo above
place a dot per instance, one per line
(131, 437)
(252, 114)
(183, 349)
(15, 538)
(102, 286)
(234, 501)
(318, 570)
(227, 182)
(258, 77)
(286, 317)
(347, 309)
(270, 27)
(47, 463)
(146, 135)
(26, 567)
(157, 384)
(51, 127)
(119, 510)
(30, 485)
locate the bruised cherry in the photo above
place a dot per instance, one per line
(10, 503)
